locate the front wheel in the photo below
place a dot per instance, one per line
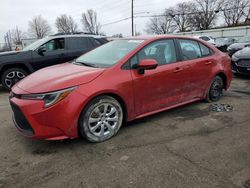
(11, 76)
(216, 90)
(101, 119)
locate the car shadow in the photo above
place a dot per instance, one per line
(43, 147)
(3, 91)
(240, 76)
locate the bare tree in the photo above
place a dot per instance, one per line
(16, 36)
(90, 23)
(205, 12)
(160, 24)
(39, 27)
(181, 15)
(119, 35)
(7, 39)
(234, 11)
(66, 24)
(247, 14)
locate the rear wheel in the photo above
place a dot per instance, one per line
(11, 76)
(101, 119)
(216, 90)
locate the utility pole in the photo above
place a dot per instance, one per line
(132, 16)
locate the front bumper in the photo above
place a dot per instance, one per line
(57, 122)
(241, 67)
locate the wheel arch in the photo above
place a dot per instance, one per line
(224, 78)
(115, 96)
(9, 66)
(111, 94)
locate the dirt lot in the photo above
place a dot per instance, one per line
(190, 146)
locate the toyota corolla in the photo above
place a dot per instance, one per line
(120, 81)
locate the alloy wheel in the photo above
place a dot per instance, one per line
(216, 89)
(13, 77)
(103, 120)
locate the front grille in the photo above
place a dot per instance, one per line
(21, 121)
(243, 70)
(244, 63)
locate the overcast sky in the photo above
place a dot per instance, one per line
(19, 12)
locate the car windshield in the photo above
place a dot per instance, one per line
(222, 40)
(244, 39)
(36, 44)
(109, 54)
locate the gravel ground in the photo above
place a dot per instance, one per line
(189, 146)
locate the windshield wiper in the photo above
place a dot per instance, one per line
(86, 64)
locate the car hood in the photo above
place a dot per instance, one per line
(243, 54)
(237, 45)
(14, 56)
(9, 53)
(58, 77)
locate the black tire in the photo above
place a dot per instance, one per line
(102, 120)
(11, 76)
(216, 90)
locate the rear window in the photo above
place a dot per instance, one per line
(190, 49)
(193, 49)
(78, 43)
(205, 38)
(205, 51)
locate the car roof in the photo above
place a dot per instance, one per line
(76, 35)
(156, 37)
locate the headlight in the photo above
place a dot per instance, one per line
(49, 98)
(235, 58)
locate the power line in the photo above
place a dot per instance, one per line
(117, 21)
(160, 15)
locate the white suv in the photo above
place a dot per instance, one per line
(206, 38)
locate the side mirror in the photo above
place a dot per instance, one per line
(41, 50)
(146, 64)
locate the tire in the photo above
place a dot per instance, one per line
(216, 90)
(101, 119)
(11, 76)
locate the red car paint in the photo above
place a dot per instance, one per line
(156, 90)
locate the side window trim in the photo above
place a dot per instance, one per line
(180, 51)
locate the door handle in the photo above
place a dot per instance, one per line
(208, 63)
(178, 69)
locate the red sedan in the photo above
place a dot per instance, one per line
(120, 81)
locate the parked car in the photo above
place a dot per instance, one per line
(222, 43)
(52, 50)
(120, 81)
(241, 61)
(242, 43)
(207, 39)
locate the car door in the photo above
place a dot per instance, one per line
(50, 53)
(198, 56)
(161, 87)
(205, 67)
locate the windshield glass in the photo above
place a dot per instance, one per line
(222, 40)
(244, 39)
(110, 53)
(35, 44)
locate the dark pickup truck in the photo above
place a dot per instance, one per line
(51, 50)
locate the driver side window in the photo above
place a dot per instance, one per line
(162, 51)
(55, 44)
